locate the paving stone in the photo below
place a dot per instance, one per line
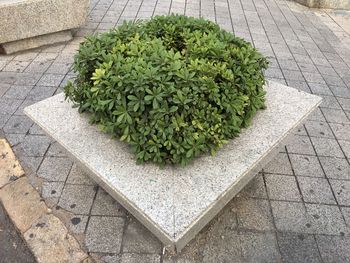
(9, 166)
(136, 258)
(104, 234)
(335, 168)
(49, 241)
(342, 191)
(51, 80)
(345, 103)
(315, 219)
(333, 115)
(280, 165)
(18, 124)
(55, 169)
(9, 106)
(17, 92)
(259, 247)
(345, 145)
(139, 240)
(35, 129)
(281, 187)
(253, 214)
(341, 131)
(35, 145)
(22, 203)
(298, 248)
(320, 89)
(255, 188)
(293, 75)
(316, 190)
(317, 115)
(52, 190)
(326, 147)
(56, 150)
(340, 91)
(105, 205)
(78, 176)
(41, 92)
(300, 145)
(330, 102)
(77, 224)
(334, 249)
(77, 199)
(15, 138)
(318, 129)
(24, 104)
(306, 165)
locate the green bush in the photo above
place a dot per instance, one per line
(172, 87)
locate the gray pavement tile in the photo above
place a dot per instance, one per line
(59, 68)
(105, 205)
(315, 219)
(317, 115)
(35, 129)
(17, 92)
(78, 176)
(138, 239)
(288, 64)
(345, 145)
(341, 131)
(253, 214)
(318, 129)
(300, 145)
(345, 103)
(327, 147)
(293, 75)
(16, 66)
(334, 80)
(77, 223)
(41, 92)
(340, 91)
(52, 191)
(306, 165)
(55, 169)
(280, 165)
(52, 80)
(307, 67)
(56, 150)
(313, 77)
(77, 199)
(255, 188)
(300, 85)
(136, 258)
(18, 124)
(259, 247)
(24, 104)
(342, 191)
(4, 88)
(27, 79)
(300, 130)
(316, 190)
(104, 234)
(335, 168)
(327, 71)
(274, 73)
(34, 145)
(334, 115)
(298, 248)
(38, 67)
(9, 106)
(15, 138)
(282, 187)
(334, 249)
(330, 102)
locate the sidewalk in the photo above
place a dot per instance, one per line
(295, 210)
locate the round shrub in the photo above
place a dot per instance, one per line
(172, 87)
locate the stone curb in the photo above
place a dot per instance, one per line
(44, 233)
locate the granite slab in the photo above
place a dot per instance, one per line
(175, 203)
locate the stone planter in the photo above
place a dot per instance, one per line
(27, 24)
(333, 4)
(175, 203)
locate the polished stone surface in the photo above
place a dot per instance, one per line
(173, 202)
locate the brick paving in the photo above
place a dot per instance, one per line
(296, 210)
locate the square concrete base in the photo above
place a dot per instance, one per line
(175, 203)
(34, 42)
